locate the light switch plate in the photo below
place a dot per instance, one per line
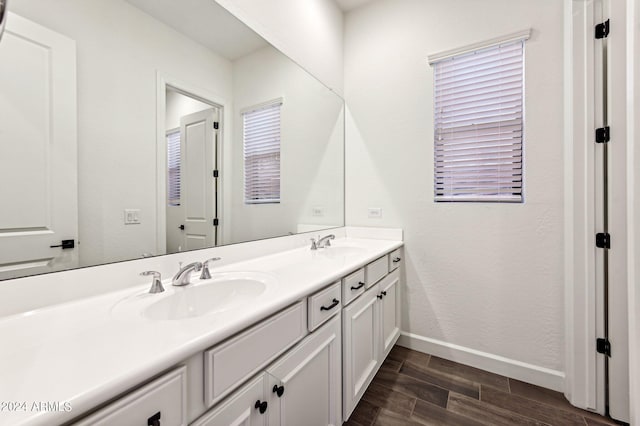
(375, 212)
(132, 216)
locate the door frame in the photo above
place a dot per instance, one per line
(164, 82)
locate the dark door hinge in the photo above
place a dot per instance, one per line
(603, 346)
(215, 173)
(216, 222)
(602, 30)
(603, 134)
(216, 125)
(603, 240)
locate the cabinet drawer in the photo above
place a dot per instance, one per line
(164, 398)
(352, 286)
(324, 304)
(236, 360)
(376, 270)
(395, 259)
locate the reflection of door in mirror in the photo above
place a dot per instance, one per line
(38, 150)
(192, 170)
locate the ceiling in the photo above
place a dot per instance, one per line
(347, 5)
(205, 22)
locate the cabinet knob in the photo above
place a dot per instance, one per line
(379, 296)
(262, 406)
(278, 390)
(384, 293)
(154, 420)
(331, 306)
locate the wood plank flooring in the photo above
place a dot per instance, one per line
(412, 388)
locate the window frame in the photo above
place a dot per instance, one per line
(473, 149)
(269, 197)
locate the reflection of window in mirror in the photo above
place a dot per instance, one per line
(261, 141)
(173, 166)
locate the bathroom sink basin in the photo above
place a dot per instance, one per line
(223, 292)
(341, 251)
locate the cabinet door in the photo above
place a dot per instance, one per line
(389, 311)
(361, 347)
(305, 386)
(242, 408)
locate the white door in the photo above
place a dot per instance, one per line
(38, 145)
(198, 147)
(240, 409)
(305, 385)
(361, 346)
(390, 311)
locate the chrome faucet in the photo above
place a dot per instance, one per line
(184, 274)
(156, 284)
(322, 242)
(205, 274)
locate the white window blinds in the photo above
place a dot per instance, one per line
(261, 137)
(479, 124)
(173, 167)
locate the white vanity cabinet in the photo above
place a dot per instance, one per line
(246, 407)
(305, 385)
(163, 401)
(371, 326)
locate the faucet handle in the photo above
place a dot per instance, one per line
(314, 246)
(205, 275)
(156, 284)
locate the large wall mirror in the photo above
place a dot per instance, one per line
(133, 128)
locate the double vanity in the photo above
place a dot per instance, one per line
(293, 337)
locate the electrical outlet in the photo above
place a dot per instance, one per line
(132, 216)
(375, 212)
(317, 211)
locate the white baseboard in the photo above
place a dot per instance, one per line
(541, 376)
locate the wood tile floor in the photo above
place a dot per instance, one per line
(412, 388)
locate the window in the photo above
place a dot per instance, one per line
(261, 140)
(479, 123)
(173, 166)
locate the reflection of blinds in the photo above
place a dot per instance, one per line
(173, 167)
(261, 139)
(479, 125)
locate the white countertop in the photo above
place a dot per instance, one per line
(86, 352)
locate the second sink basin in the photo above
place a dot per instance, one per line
(222, 292)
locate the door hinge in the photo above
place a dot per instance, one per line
(215, 173)
(602, 30)
(216, 222)
(603, 240)
(603, 135)
(603, 346)
(216, 125)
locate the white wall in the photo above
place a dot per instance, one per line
(310, 32)
(120, 50)
(484, 282)
(311, 147)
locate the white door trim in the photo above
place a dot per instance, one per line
(579, 220)
(164, 81)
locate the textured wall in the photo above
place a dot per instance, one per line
(487, 277)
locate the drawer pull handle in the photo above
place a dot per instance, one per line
(384, 293)
(262, 406)
(379, 296)
(278, 390)
(359, 286)
(331, 306)
(154, 420)
(396, 260)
